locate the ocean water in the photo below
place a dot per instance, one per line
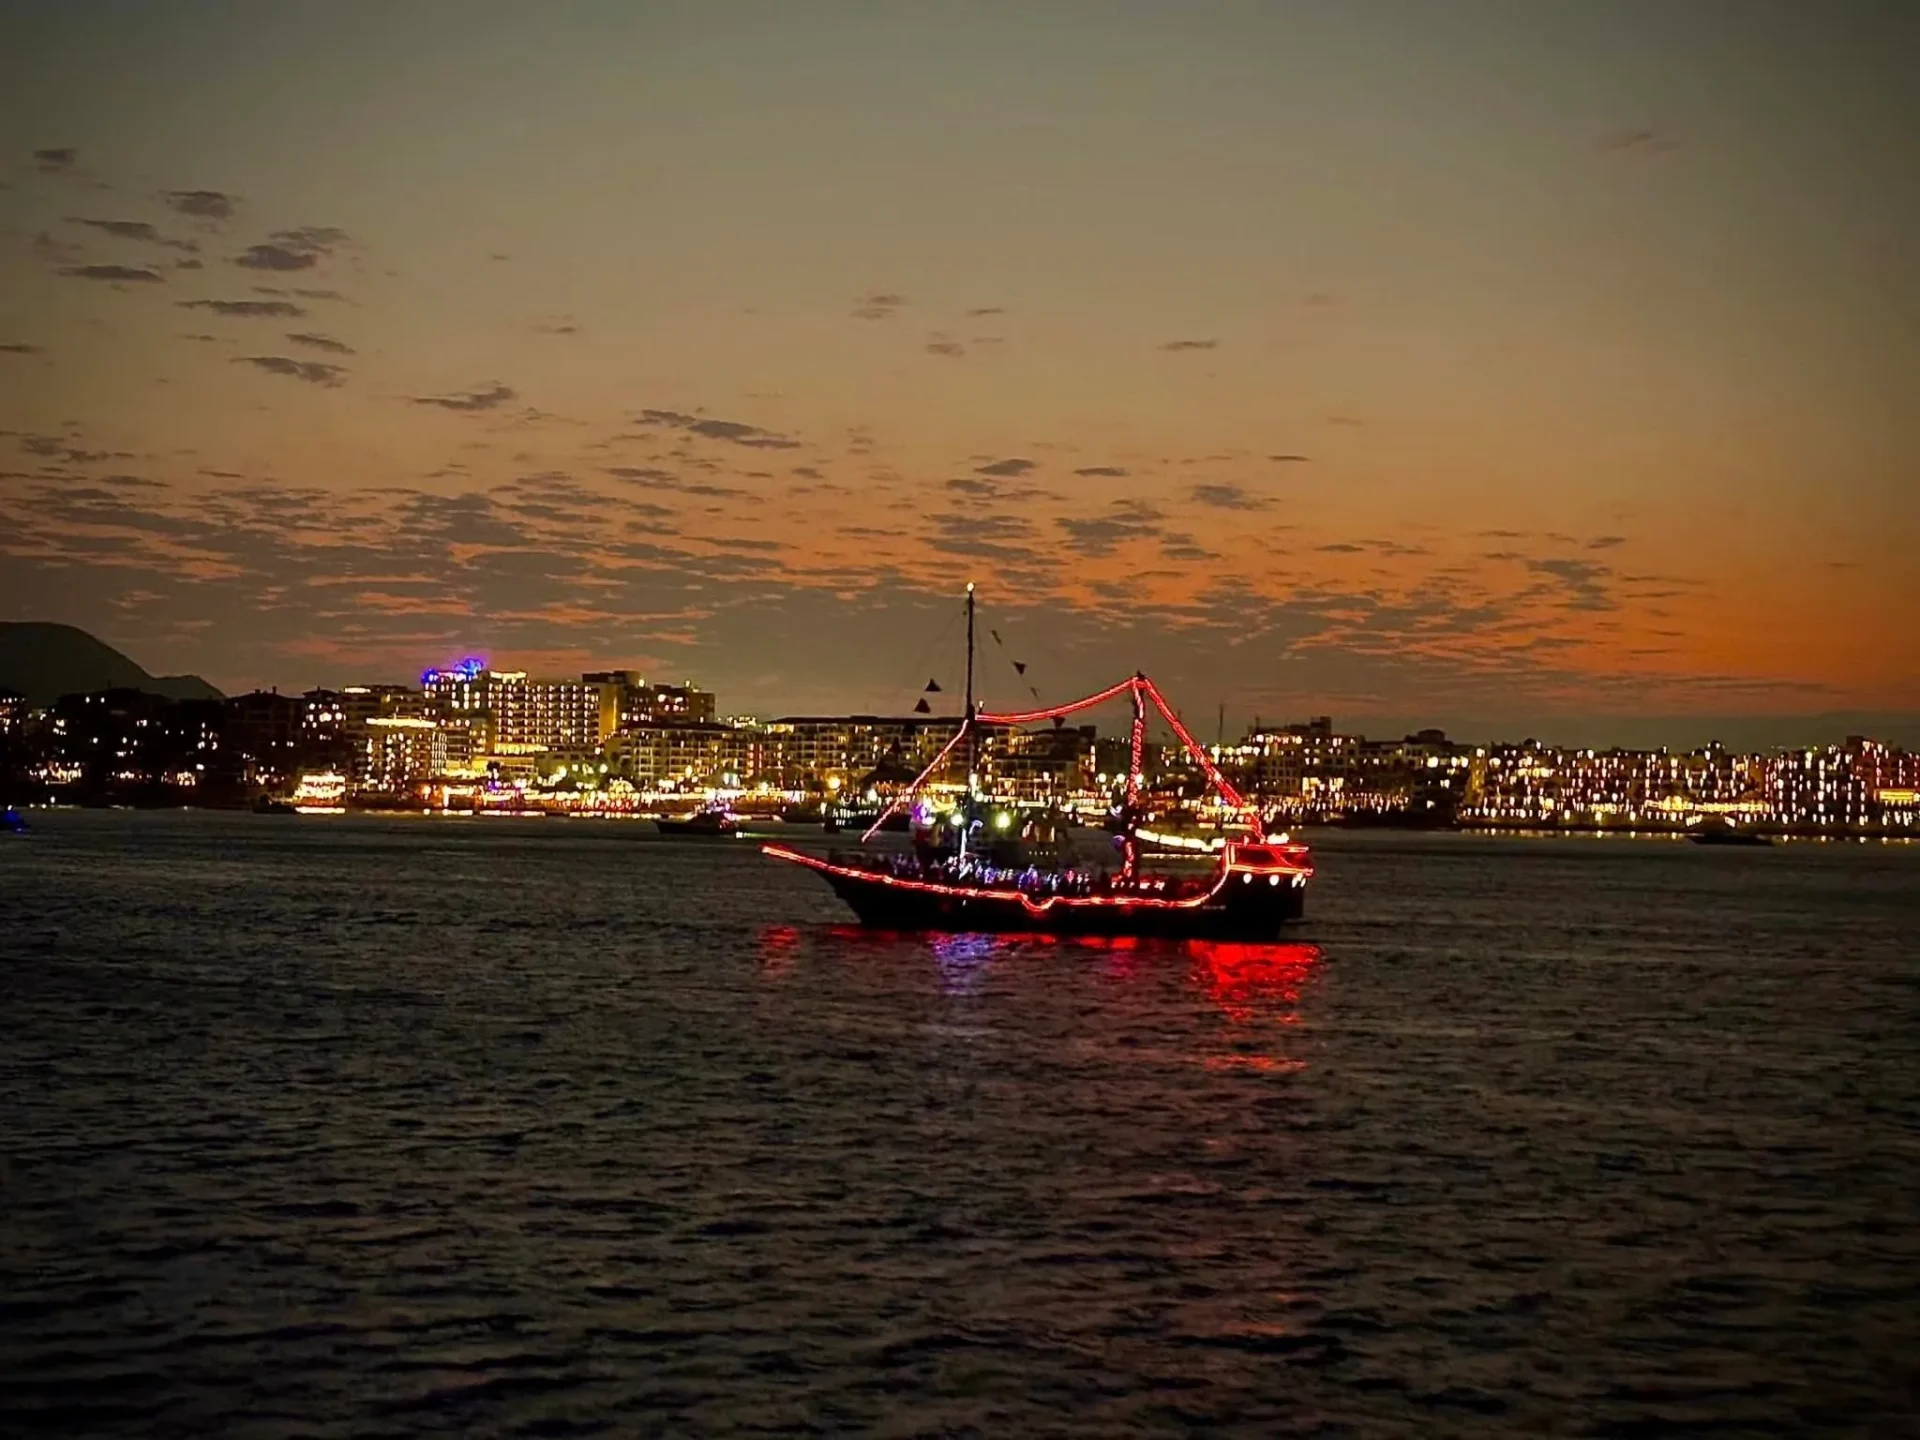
(355, 1127)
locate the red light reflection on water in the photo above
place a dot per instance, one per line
(1250, 983)
(778, 946)
(1254, 982)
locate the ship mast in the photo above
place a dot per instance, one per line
(966, 728)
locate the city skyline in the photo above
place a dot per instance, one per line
(1483, 370)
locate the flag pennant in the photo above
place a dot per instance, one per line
(933, 687)
(921, 707)
(1020, 667)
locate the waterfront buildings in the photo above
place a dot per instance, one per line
(473, 736)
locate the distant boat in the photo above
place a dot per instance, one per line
(268, 805)
(1728, 837)
(12, 822)
(705, 823)
(1726, 833)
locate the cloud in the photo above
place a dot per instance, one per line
(941, 345)
(1227, 497)
(139, 274)
(1113, 472)
(471, 401)
(667, 480)
(133, 230)
(253, 309)
(878, 306)
(1184, 547)
(1015, 466)
(1635, 144)
(1581, 579)
(734, 431)
(557, 327)
(18, 347)
(1340, 547)
(276, 257)
(979, 311)
(1350, 422)
(205, 204)
(321, 342)
(1122, 521)
(314, 372)
(1606, 542)
(319, 294)
(54, 159)
(1189, 345)
(299, 249)
(1290, 459)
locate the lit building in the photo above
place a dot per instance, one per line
(688, 755)
(818, 751)
(518, 713)
(636, 702)
(399, 755)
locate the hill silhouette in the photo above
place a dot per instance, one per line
(44, 661)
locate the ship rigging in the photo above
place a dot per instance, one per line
(1257, 882)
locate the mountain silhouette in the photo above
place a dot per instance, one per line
(44, 662)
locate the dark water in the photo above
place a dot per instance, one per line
(344, 1127)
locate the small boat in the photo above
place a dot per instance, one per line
(270, 805)
(12, 822)
(1255, 885)
(704, 823)
(1727, 835)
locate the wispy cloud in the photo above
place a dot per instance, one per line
(1636, 144)
(941, 345)
(1122, 521)
(314, 372)
(1290, 459)
(55, 158)
(116, 274)
(320, 342)
(1227, 497)
(882, 305)
(733, 431)
(133, 230)
(1177, 345)
(1018, 465)
(491, 397)
(286, 250)
(249, 309)
(1112, 472)
(202, 204)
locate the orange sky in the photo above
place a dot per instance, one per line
(1396, 360)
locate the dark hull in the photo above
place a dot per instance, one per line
(707, 828)
(1255, 910)
(1729, 837)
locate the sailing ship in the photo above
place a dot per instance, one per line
(713, 821)
(1256, 884)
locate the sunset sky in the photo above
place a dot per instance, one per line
(1497, 359)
